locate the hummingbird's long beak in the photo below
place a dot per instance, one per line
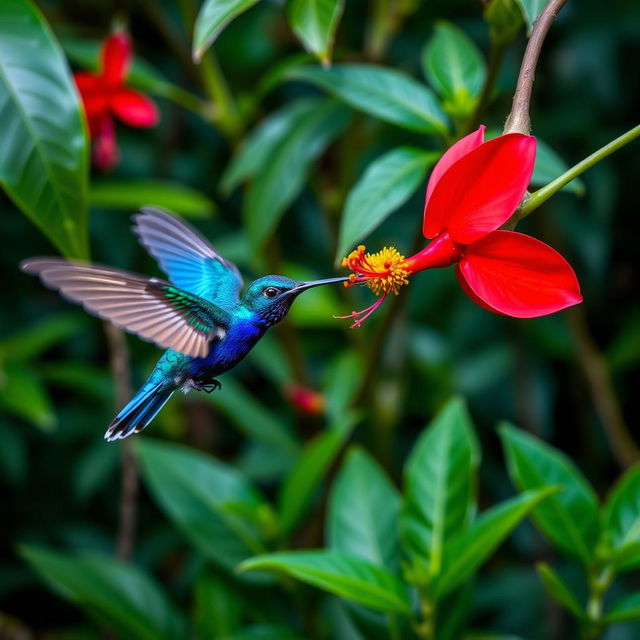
(303, 286)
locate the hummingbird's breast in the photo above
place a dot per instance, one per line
(240, 338)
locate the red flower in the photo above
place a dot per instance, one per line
(473, 190)
(305, 399)
(104, 95)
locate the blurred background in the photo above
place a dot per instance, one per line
(569, 378)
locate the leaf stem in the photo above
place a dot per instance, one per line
(519, 120)
(544, 193)
(599, 580)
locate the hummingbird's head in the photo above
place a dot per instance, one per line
(271, 297)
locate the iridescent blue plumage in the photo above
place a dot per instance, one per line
(198, 314)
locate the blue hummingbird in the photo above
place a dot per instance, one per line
(198, 315)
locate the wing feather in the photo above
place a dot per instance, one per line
(187, 258)
(153, 309)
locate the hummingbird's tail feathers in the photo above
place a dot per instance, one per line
(139, 412)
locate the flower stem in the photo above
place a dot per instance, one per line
(543, 194)
(519, 120)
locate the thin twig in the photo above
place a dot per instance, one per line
(598, 378)
(119, 356)
(519, 120)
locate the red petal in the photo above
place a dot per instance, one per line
(450, 157)
(93, 97)
(116, 56)
(105, 150)
(469, 291)
(481, 190)
(519, 276)
(134, 108)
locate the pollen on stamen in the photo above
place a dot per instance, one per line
(383, 272)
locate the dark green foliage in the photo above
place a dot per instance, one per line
(356, 522)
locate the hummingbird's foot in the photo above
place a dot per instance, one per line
(207, 388)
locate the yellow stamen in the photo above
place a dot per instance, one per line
(383, 272)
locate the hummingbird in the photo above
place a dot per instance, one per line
(197, 315)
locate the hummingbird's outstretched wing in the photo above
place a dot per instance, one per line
(153, 309)
(187, 258)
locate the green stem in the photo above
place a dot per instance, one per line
(598, 581)
(226, 113)
(394, 629)
(543, 194)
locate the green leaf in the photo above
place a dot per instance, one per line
(549, 165)
(341, 574)
(343, 379)
(23, 394)
(386, 184)
(531, 9)
(252, 418)
(385, 93)
(44, 155)
(315, 23)
(213, 17)
(119, 595)
(622, 518)
(302, 483)
(465, 552)
(130, 195)
(283, 177)
(93, 468)
(218, 608)
(569, 519)
(504, 18)
(196, 491)
(440, 485)
(455, 68)
(261, 143)
(363, 512)
(559, 591)
(35, 339)
(626, 610)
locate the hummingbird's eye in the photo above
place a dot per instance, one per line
(270, 292)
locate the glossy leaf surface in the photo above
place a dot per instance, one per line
(315, 23)
(570, 518)
(363, 512)
(386, 184)
(385, 93)
(44, 152)
(119, 595)
(341, 574)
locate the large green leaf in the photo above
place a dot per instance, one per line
(44, 152)
(206, 499)
(302, 483)
(341, 574)
(363, 512)
(385, 93)
(218, 608)
(214, 16)
(387, 183)
(465, 552)
(315, 23)
(626, 610)
(283, 176)
(559, 591)
(23, 394)
(261, 143)
(119, 595)
(440, 485)
(570, 518)
(130, 195)
(455, 68)
(622, 518)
